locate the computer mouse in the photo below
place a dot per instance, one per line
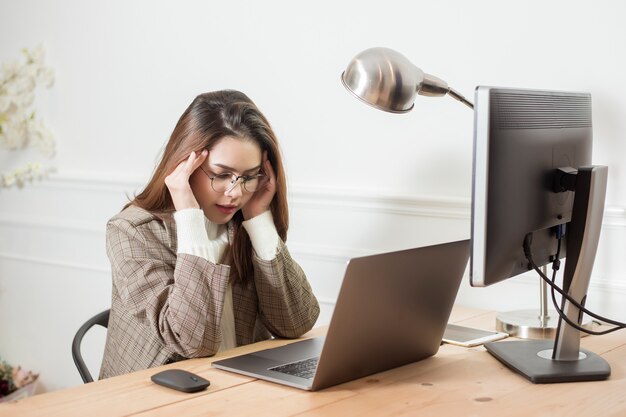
(180, 380)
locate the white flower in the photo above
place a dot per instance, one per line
(46, 77)
(41, 137)
(29, 70)
(9, 70)
(8, 179)
(24, 99)
(5, 102)
(35, 168)
(35, 55)
(19, 128)
(14, 134)
(20, 84)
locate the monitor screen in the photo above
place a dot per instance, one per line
(521, 137)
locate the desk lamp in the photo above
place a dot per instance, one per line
(387, 80)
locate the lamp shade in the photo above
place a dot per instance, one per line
(387, 80)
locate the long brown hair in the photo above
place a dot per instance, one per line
(208, 119)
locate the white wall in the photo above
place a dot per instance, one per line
(127, 69)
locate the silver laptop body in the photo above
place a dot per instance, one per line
(392, 309)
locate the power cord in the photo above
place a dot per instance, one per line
(555, 267)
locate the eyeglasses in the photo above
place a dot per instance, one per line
(222, 183)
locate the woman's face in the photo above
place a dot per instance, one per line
(233, 156)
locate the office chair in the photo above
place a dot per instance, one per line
(101, 319)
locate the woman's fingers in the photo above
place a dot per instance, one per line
(190, 161)
(189, 165)
(204, 155)
(195, 160)
(178, 181)
(269, 170)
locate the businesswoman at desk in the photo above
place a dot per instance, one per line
(198, 258)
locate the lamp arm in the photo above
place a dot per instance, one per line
(458, 96)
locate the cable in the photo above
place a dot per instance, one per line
(555, 267)
(554, 287)
(570, 299)
(556, 263)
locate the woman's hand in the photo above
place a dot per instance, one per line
(178, 181)
(260, 201)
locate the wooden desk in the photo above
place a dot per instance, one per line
(455, 382)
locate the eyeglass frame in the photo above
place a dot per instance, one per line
(235, 182)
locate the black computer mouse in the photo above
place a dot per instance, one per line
(180, 380)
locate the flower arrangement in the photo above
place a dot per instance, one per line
(15, 383)
(19, 127)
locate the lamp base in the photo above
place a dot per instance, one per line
(528, 324)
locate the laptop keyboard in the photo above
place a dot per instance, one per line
(303, 369)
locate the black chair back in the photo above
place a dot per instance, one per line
(101, 319)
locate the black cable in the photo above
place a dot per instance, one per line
(567, 319)
(555, 267)
(529, 258)
(560, 311)
(556, 263)
(571, 300)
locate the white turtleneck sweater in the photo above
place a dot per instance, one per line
(200, 237)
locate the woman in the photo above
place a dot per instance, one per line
(198, 258)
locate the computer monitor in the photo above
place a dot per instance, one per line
(532, 178)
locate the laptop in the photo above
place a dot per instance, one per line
(392, 310)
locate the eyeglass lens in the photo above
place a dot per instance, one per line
(224, 182)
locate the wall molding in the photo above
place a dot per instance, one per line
(301, 196)
(44, 222)
(312, 196)
(49, 262)
(597, 283)
(100, 181)
(332, 198)
(614, 217)
(380, 202)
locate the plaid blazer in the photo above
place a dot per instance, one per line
(167, 307)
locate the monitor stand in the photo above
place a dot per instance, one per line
(543, 361)
(533, 359)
